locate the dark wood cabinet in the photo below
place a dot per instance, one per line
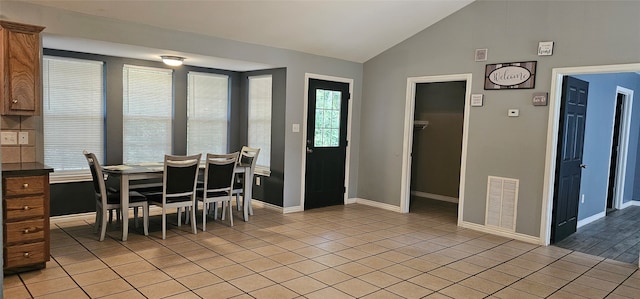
(20, 56)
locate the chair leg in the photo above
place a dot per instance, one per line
(204, 216)
(98, 219)
(250, 206)
(145, 220)
(103, 229)
(186, 215)
(230, 214)
(193, 216)
(179, 216)
(135, 217)
(224, 208)
(215, 210)
(238, 205)
(164, 223)
(110, 216)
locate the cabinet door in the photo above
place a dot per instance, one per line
(24, 71)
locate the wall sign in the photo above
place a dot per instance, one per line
(512, 75)
(539, 99)
(545, 48)
(476, 100)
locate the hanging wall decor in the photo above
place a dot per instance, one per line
(511, 75)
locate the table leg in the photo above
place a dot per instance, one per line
(124, 204)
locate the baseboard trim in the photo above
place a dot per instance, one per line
(435, 196)
(506, 234)
(293, 209)
(630, 203)
(376, 204)
(590, 219)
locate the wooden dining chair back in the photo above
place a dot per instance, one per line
(179, 181)
(218, 184)
(107, 199)
(247, 158)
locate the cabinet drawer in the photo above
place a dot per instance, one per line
(15, 186)
(24, 208)
(22, 255)
(24, 231)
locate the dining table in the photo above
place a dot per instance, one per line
(128, 174)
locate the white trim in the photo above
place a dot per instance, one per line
(293, 209)
(350, 201)
(627, 204)
(552, 134)
(625, 125)
(70, 178)
(262, 204)
(503, 233)
(435, 196)
(303, 163)
(407, 143)
(592, 218)
(377, 204)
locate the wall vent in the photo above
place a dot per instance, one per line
(502, 200)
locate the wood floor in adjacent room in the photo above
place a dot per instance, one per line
(616, 236)
(352, 251)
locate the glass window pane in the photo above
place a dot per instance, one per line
(207, 113)
(147, 113)
(73, 111)
(327, 125)
(259, 124)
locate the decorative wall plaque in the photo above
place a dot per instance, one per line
(511, 75)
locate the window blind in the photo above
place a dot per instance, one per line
(207, 113)
(147, 113)
(259, 123)
(73, 112)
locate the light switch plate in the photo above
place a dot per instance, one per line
(296, 128)
(513, 113)
(9, 138)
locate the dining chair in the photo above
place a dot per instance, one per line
(179, 180)
(248, 156)
(108, 199)
(218, 185)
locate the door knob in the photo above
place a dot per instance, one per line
(583, 165)
(309, 151)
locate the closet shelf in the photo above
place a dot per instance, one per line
(420, 124)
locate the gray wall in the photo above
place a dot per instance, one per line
(585, 33)
(435, 164)
(75, 25)
(597, 141)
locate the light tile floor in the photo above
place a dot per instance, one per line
(352, 251)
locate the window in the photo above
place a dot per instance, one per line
(73, 112)
(147, 113)
(327, 126)
(207, 113)
(259, 124)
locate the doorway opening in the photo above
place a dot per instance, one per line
(435, 140)
(605, 173)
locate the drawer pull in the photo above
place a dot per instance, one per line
(26, 254)
(26, 231)
(14, 101)
(26, 208)
(25, 185)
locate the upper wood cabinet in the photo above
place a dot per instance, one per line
(20, 72)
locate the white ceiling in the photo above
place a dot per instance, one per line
(353, 30)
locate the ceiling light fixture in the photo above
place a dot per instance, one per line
(172, 60)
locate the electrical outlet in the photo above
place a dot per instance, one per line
(23, 138)
(9, 138)
(257, 181)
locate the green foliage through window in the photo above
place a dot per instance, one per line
(327, 126)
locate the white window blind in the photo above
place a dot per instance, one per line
(147, 113)
(73, 112)
(259, 124)
(207, 113)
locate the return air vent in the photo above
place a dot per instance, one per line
(502, 200)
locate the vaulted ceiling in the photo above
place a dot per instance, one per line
(353, 30)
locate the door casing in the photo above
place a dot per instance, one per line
(303, 129)
(407, 145)
(621, 169)
(557, 75)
